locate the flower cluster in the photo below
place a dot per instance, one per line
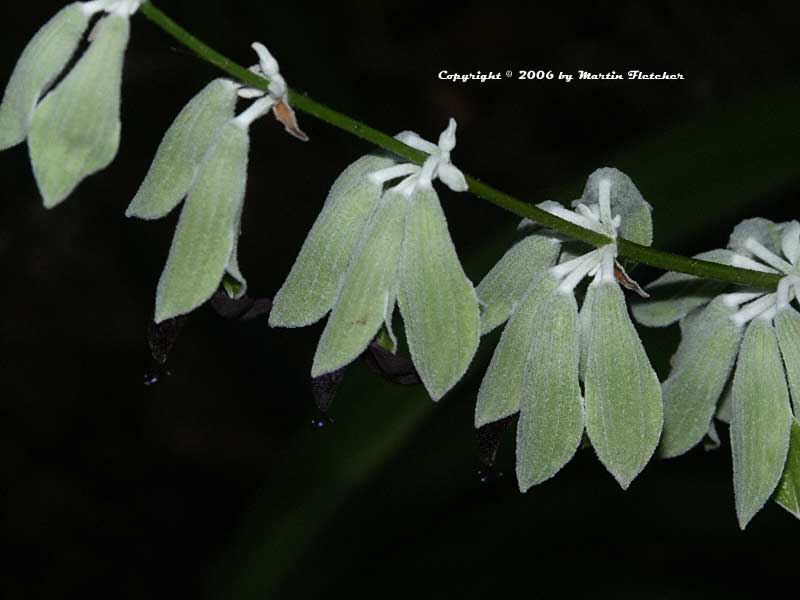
(203, 157)
(374, 245)
(549, 347)
(74, 131)
(755, 331)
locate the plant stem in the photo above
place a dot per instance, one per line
(637, 252)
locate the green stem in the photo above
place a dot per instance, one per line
(637, 252)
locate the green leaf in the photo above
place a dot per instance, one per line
(675, 295)
(623, 396)
(367, 296)
(510, 278)
(181, 151)
(760, 420)
(501, 389)
(311, 287)
(76, 129)
(43, 59)
(208, 228)
(787, 327)
(437, 300)
(701, 367)
(626, 201)
(551, 413)
(788, 495)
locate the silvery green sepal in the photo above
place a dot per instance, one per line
(761, 420)
(204, 251)
(436, 299)
(181, 151)
(787, 328)
(315, 278)
(500, 393)
(208, 228)
(551, 412)
(788, 494)
(548, 346)
(675, 295)
(42, 61)
(757, 405)
(623, 396)
(367, 295)
(507, 282)
(75, 130)
(626, 202)
(372, 247)
(700, 368)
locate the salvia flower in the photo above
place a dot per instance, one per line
(74, 131)
(203, 157)
(373, 246)
(549, 347)
(759, 333)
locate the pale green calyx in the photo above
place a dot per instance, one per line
(757, 331)
(42, 61)
(182, 150)
(548, 346)
(375, 246)
(74, 131)
(203, 157)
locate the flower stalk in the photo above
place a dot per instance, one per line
(626, 248)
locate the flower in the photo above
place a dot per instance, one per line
(75, 130)
(372, 247)
(759, 333)
(203, 157)
(549, 346)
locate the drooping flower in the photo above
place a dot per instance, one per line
(75, 130)
(759, 333)
(372, 247)
(203, 157)
(549, 347)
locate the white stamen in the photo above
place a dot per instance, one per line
(790, 242)
(270, 69)
(587, 212)
(389, 173)
(752, 310)
(437, 165)
(767, 256)
(94, 7)
(607, 266)
(256, 110)
(124, 8)
(739, 298)
(428, 171)
(447, 139)
(409, 138)
(768, 314)
(745, 262)
(586, 264)
(604, 200)
(581, 220)
(785, 287)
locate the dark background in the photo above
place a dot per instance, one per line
(213, 483)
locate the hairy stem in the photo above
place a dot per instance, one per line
(642, 254)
